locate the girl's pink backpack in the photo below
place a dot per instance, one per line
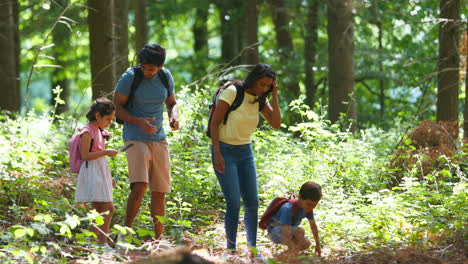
(74, 147)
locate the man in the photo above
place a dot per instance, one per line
(148, 160)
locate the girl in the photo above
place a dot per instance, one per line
(94, 179)
(232, 155)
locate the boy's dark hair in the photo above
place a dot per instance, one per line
(102, 106)
(311, 191)
(258, 72)
(152, 54)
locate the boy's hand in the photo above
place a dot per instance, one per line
(318, 250)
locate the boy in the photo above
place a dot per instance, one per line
(284, 225)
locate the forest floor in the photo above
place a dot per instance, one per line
(212, 251)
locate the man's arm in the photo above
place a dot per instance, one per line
(172, 111)
(119, 101)
(314, 229)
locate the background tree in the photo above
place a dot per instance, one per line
(310, 49)
(465, 116)
(120, 36)
(200, 40)
(251, 54)
(231, 13)
(9, 59)
(101, 47)
(449, 60)
(141, 24)
(341, 60)
(281, 20)
(60, 75)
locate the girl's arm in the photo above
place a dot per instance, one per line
(86, 144)
(314, 229)
(273, 115)
(218, 117)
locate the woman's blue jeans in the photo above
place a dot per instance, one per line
(239, 180)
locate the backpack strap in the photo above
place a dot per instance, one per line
(90, 147)
(237, 100)
(164, 79)
(137, 78)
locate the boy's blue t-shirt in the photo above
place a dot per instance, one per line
(148, 101)
(284, 215)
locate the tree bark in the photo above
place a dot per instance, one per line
(200, 44)
(141, 24)
(120, 36)
(465, 116)
(101, 47)
(280, 16)
(310, 49)
(340, 60)
(230, 35)
(61, 38)
(448, 64)
(251, 54)
(9, 59)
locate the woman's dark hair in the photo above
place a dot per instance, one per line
(152, 54)
(311, 191)
(258, 72)
(102, 106)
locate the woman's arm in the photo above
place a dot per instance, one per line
(216, 119)
(273, 114)
(85, 146)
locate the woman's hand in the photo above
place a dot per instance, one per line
(219, 162)
(274, 91)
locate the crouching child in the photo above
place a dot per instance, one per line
(283, 217)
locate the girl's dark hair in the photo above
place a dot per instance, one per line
(152, 54)
(258, 72)
(311, 191)
(102, 106)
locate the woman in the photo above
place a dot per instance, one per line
(232, 154)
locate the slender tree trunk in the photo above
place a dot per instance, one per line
(281, 19)
(310, 49)
(341, 60)
(448, 67)
(101, 47)
(9, 59)
(120, 36)
(200, 44)
(251, 55)
(61, 38)
(465, 116)
(141, 24)
(381, 69)
(230, 35)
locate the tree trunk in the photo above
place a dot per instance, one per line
(9, 59)
(340, 60)
(279, 13)
(141, 24)
(465, 116)
(200, 44)
(230, 35)
(251, 54)
(448, 66)
(310, 49)
(101, 47)
(120, 36)
(61, 38)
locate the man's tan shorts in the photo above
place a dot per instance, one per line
(149, 162)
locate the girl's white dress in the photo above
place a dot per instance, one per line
(94, 179)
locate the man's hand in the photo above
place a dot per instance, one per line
(146, 126)
(174, 123)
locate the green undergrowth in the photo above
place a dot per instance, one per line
(359, 210)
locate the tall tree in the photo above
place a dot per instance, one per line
(230, 16)
(465, 116)
(200, 41)
(101, 47)
(120, 36)
(141, 24)
(310, 49)
(448, 64)
(340, 59)
(9, 59)
(281, 19)
(251, 55)
(61, 38)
